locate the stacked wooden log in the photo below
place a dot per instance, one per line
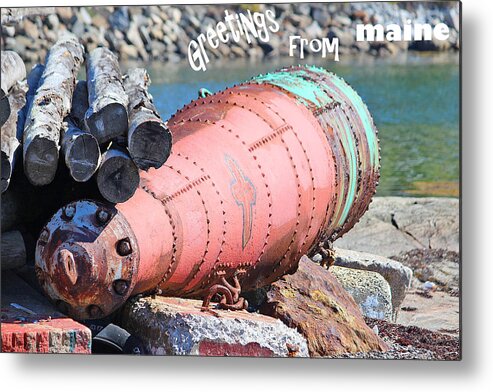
(67, 132)
(106, 127)
(12, 100)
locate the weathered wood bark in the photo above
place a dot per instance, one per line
(80, 104)
(33, 80)
(13, 71)
(13, 250)
(9, 140)
(50, 106)
(149, 140)
(118, 176)
(107, 116)
(11, 16)
(81, 151)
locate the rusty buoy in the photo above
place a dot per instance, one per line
(259, 174)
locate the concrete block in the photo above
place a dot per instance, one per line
(30, 324)
(174, 326)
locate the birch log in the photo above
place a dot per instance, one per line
(12, 70)
(80, 150)
(9, 140)
(13, 250)
(149, 140)
(50, 106)
(118, 176)
(80, 103)
(107, 116)
(79, 147)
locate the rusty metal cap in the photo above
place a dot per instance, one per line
(80, 261)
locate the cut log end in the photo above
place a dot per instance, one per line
(41, 161)
(4, 108)
(109, 123)
(150, 145)
(83, 157)
(13, 250)
(6, 169)
(118, 177)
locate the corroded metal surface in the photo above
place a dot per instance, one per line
(259, 175)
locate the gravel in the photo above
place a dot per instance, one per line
(410, 342)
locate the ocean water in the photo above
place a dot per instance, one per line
(414, 101)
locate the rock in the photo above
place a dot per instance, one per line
(313, 31)
(174, 326)
(31, 324)
(435, 265)
(361, 15)
(8, 31)
(120, 19)
(303, 8)
(157, 49)
(430, 46)
(53, 22)
(321, 16)
(30, 29)
(341, 20)
(398, 276)
(362, 46)
(65, 13)
(133, 37)
(399, 224)
(298, 21)
(237, 51)
(315, 303)
(128, 52)
(78, 28)
(84, 16)
(346, 38)
(157, 33)
(100, 21)
(437, 312)
(369, 289)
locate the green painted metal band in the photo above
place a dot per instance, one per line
(312, 92)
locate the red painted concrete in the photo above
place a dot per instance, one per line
(219, 349)
(62, 335)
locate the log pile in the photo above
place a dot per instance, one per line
(12, 100)
(105, 128)
(64, 138)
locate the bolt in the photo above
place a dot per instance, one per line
(94, 311)
(120, 286)
(102, 216)
(68, 212)
(123, 247)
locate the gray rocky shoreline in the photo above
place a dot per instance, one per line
(146, 33)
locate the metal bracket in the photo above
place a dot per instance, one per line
(230, 294)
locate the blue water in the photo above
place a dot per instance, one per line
(414, 102)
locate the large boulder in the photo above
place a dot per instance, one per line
(369, 289)
(174, 326)
(393, 225)
(397, 275)
(315, 303)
